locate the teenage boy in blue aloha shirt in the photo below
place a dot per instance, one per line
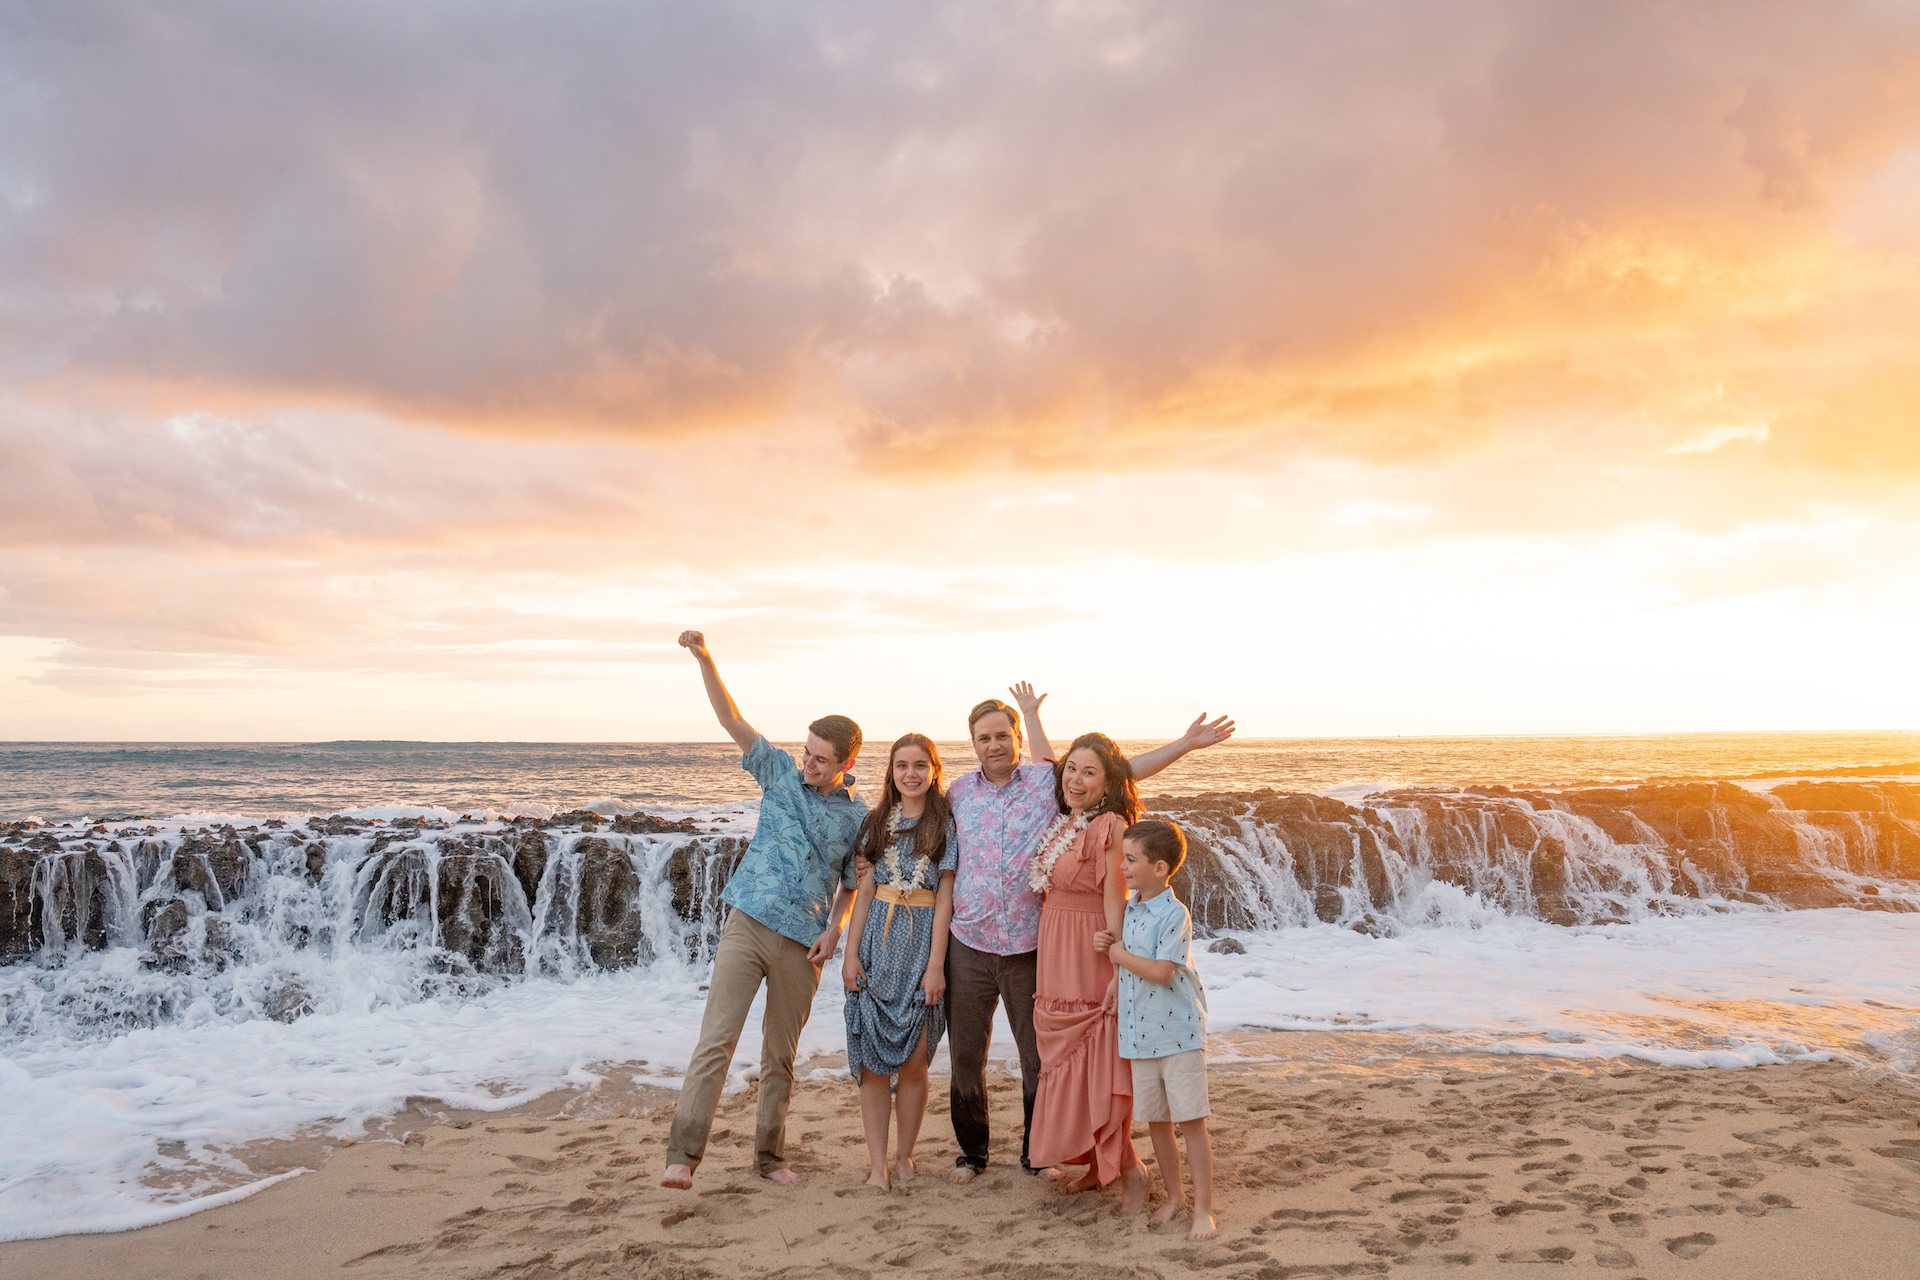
(789, 897)
(1163, 1017)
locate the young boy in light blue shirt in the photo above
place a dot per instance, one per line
(1163, 1017)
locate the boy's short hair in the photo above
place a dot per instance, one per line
(1160, 841)
(839, 732)
(987, 708)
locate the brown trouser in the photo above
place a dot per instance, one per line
(976, 982)
(749, 954)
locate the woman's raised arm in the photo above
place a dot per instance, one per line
(1201, 733)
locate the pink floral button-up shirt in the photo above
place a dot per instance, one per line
(1000, 831)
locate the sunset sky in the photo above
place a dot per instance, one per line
(419, 371)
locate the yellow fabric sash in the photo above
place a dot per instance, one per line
(895, 896)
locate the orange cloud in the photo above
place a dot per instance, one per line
(958, 236)
(489, 345)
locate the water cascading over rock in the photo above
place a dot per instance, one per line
(473, 902)
(274, 921)
(1595, 856)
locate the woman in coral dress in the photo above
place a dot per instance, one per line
(1083, 1114)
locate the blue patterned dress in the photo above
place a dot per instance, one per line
(886, 1017)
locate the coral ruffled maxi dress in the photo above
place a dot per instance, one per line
(1084, 1111)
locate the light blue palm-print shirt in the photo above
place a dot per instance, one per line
(1159, 1020)
(801, 852)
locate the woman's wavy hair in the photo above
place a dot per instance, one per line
(930, 833)
(1122, 795)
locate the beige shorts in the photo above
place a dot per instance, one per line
(1171, 1088)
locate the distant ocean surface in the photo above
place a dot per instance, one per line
(62, 781)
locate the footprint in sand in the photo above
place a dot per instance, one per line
(1558, 1253)
(1691, 1247)
(1613, 1257)
(1628, 1225)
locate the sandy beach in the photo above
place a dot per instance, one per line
(1337, 1157)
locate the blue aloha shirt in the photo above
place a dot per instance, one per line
(802, 848)
(1158, 1020)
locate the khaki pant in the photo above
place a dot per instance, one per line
(749, 954)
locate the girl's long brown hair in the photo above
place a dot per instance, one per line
(930, 833)
(1122, 795)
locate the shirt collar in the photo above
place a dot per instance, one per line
(985, 781)
(1154, 905)
(847, 784)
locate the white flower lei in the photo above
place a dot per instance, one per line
(895, 828)
(1059, 838)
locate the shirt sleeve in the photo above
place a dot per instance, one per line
(950, 857)
(1175, 942)
(769, 765)
(1101, 834)
(847, 879)
(1037, 776)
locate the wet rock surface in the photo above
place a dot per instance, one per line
(17, 925)
(637, 824)
(1591, 856)
(555, 895)
(527, 855)
(483, 898)
(288, 1000)
(699, 870)
(610, 918)
(81, 895)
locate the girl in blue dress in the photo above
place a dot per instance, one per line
(896, 950)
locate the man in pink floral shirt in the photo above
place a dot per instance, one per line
(1003, 808)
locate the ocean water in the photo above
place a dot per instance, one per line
(340, 978)
(65, 781)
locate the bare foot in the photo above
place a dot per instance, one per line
(1133, 1197)
(1088, 1181)
(878, 1178)
(1167, 1212)
(1055, 1173)
(783, 1176)
(904, 1170)
(963, 1174)
(677, 1176)
(1203, 1227)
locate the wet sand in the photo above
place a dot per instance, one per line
(1333, 1160)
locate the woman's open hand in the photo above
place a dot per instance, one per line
(934, 983)
(1112, 1003)
(853, 974)
(1206, 733)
